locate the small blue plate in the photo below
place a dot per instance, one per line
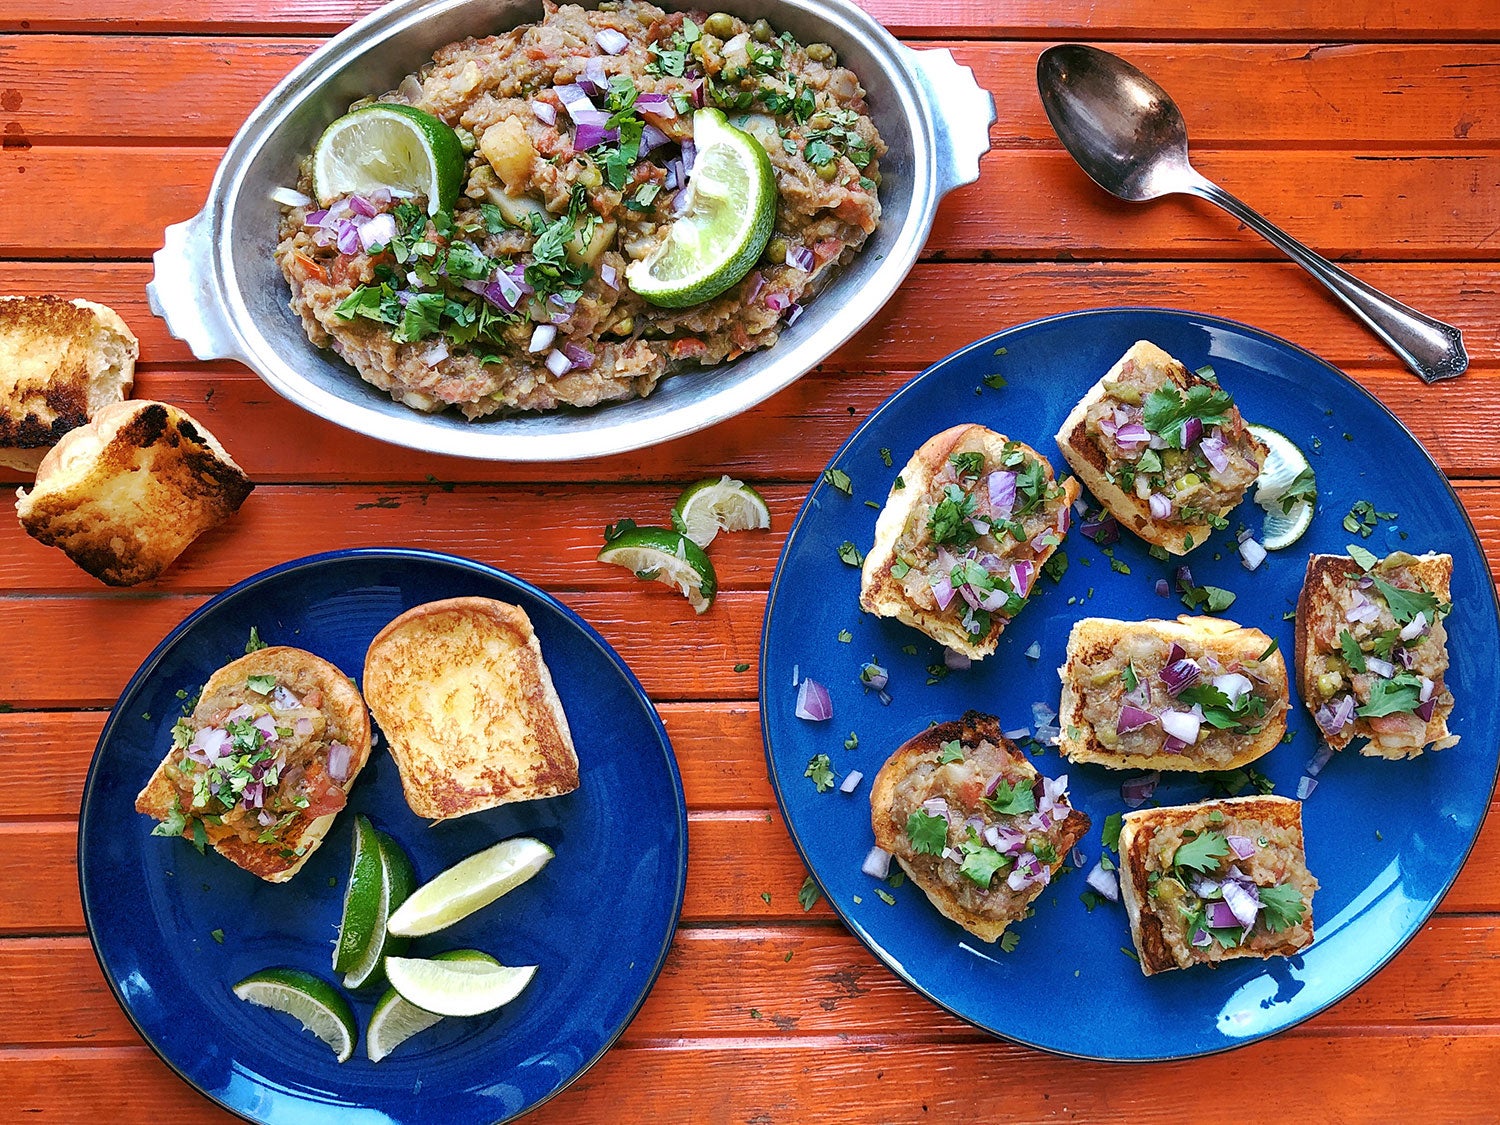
(1386, 839)
(174, 930)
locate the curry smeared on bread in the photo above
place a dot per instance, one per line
(973, 823)
(1164, 449)
(964, 533)
(264, 763)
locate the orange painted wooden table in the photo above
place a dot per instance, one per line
(1369, 128)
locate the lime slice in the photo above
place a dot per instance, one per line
(1286, 469)
(395, 882)
(361, 898)
(727, 219)
(457, 988)
(392, 146)
(669, 557)
(711, 506)
(469, 885)
(395, 1020)
(310, 1000)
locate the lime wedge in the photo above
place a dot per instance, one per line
(728, 215)
(457, 988)
(1286, 482)
(310, 1000)
(469, 885)
(711, 506)
(392, 146)
(669, 557)
(361, 898)
(395, 1020)
(394, 881)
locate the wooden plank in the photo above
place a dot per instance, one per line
(765, 982)
(1347, 204)
(809, 1080)
(677, 654)
(1392, 96)
(1292, 20)
(940, 308)
(45, 754)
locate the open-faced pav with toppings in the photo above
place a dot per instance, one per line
(1164, 449)
(1198, 693)
(1215, 881)
(1372, 650)
(973, 823)
(264, 763)
(962, 538)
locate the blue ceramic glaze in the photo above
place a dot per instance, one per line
(1385, 839)
(597, 920)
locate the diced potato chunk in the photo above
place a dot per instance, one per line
(581, 255)
(517, 209)
(509, 152)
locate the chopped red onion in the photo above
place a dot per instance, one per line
(873, 675)
(753, 285)
(981, 527)
(851, 781)
(1332, 718)
(1316, 763)
(1204, 887)
(253, 796)
(1041, 714)
(290, 197)
(1414, 627)
(435, 354)
(338, 761)
(545, 112)
(1233, 685)
(1131, 434)
(1424, 710)
(1361, 610)
(799, 258)
(1104, 531)
(1305, 787)
(793, 315)
(575, 100)
(1252, 554)
(239, 714)
(956, 661)
(578, 355)
(347, 238)
(776, 302)
(314, 218)
(1428, 687)
(1034, 650)
(652, 138)
(541, 337)
(589, 136)
(884, 697)
(267, 727)
(655, 103)
(593, 79)
(284, 699)
(796, 678)
(1181, 725)
(1078, 858)
(1180, 674)
(362, 206)
(1382, 668)
(675, 175)
(1162, 589)
(1027, 871)
(1202, 939)
(1161, 507)
(1216, 450)
(689, 152)
(877, 863)
(1002, 491)
(813, 703)
(1242, 846)
(557, 363)
(937, 806)
(611, 41)
(1184, 578)
(1221, 916)
(1192, 432)
(1133, 718)
(609, 275)
(1015, 735)
(210, 742)
(942, 590)
(1104, 883)
(302, 727)
(1136, 791)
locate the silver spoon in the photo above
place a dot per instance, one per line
(1129, 136)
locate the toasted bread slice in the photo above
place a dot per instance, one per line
(466, 701)
(903, 539)
(61, 362)
(323, 708)
(915, 774)
(1094, 466)
(126, 494)
(1096, 690)
(1159, 907)
(1331, 584)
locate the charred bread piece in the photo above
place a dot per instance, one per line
(467, 704)
(1198, 693)
(1372, 651)
(264, 763)
(1217, 880)
(1164, 449)
(963, 535)
(61, 362)
(973, 823)
(126, 494)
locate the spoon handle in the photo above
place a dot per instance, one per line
(1429, 347)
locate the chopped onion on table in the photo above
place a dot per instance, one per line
(851, 782)
(1105, 883)
(956, 661)
(1305, 786)
(813, 703)
(290, 197)
(1034, 650)
(1316, 763)
(877, 863)
(1137, 790)
(1162, 589)
(1252, 554)
(873, 675)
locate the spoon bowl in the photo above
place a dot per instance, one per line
(1127, 133)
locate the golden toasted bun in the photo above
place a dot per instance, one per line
(467, 704)
(890, 833)
(881, 592)
(1086, 458)
(1324, 574)
(126, 494)
(1094, 639)
(61, 362)
(1136, 832)
(348, 722)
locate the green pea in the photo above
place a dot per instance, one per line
(762, 31)
(820, 120)
(624, 327)
(720, 24)
(822, 52)
(589, 177)
(828, 171)
(776, 249)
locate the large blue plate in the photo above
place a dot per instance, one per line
(598, 919)
(1386, 839)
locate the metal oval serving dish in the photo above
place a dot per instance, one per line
(218, 287)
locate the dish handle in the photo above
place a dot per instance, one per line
(182, 294)
(962, 111)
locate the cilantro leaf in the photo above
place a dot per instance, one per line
(969, 464)
(1218, 711)
(839, 479)
(254, 644)
(928, 834)
(851, 554)
(1283, 905)
(809, 894)
(1167, 408)
(1406, 604)
(1132, 681)
(820, 769)
(1303, 487)
(1202, 853)
(1112, 825)
(1365, 559)
(950, 751)
(1351, 651)
(1009, 940)
(1011, 800)
(981, 862)
(1387, 697)
(261, 685)
(174, 823)
(1056, 565)
(949, 521)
